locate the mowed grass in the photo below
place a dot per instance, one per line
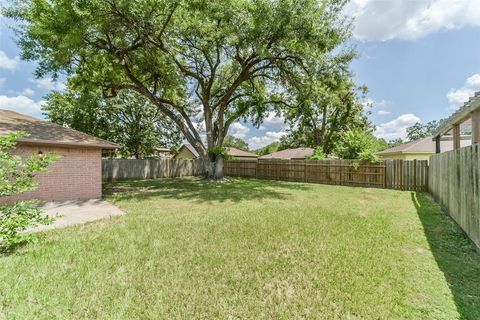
(249, 249)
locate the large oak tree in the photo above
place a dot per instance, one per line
(204, 64)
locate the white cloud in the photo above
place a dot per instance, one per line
(409, 20)
(28, 92)
(272, 118)
(21, 104)
(8, 63)
(457, 97)
(383, 112)
(396, 128)
(48, 84)
(238, 130)
(269, 137)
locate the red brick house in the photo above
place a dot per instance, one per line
(76, 175)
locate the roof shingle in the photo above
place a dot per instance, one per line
(289, 154)
(47, 133)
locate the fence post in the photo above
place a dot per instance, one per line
(415, 174)
(385, 174)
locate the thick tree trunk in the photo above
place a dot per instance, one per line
(214, 167)
(218, 173)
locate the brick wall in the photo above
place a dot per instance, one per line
(76, 175)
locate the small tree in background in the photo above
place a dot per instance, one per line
(357, 144)
(17, 176)
(419, 131)
(234, 142)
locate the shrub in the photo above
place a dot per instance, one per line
(318, 154)
(17, 176)
(357, 144)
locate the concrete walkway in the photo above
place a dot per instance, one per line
(68, 213)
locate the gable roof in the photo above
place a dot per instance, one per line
(190, 148)
(47, 133)
(424, 145)
(289, 154)
(234, 152)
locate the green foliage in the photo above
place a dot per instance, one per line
(235, 142)
(272, 147)
(17, 176)
(217, 150)
(419, 131)
(357, 144)
(331, 107)
(129, 119)
(205, 61)
(395, 142)
(318, 154)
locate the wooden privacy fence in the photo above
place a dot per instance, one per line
(124, 169)
(455, 183)
(391, 174)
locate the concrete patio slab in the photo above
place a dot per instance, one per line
(68, 213)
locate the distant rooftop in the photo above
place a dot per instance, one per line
(234, 152)
(47, 133)
(289, 154)
(191, 149)
(425, 145)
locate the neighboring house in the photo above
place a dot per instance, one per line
(163, 153)
(187, 152)
(238, 154)
(420, 149)
(77, 174)
(289, 154)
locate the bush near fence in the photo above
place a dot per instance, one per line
(455, 184)
(391, 174)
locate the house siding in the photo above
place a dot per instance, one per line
(407, 156)
(76, 175)
(184, 153)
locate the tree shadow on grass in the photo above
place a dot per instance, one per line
(454, 253)
(199, 190)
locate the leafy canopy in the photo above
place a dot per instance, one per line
(419, 131)
(129, 119)
(204, 64)
(235, 142)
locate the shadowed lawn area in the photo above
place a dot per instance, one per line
(249, 249)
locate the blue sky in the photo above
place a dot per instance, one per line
(420, 60)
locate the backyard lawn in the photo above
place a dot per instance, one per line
(249, 249)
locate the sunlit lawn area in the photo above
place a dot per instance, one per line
(249, 249)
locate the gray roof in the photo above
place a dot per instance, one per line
(234, 152)
(425, 145)
(289, 154)
(47, 133)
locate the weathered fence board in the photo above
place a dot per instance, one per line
(454, 182)
(391, 174)
(125, 169)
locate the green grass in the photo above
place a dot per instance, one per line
(249, 249)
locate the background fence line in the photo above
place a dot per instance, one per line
(455, 184)
(390, 174)
(126, 169)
